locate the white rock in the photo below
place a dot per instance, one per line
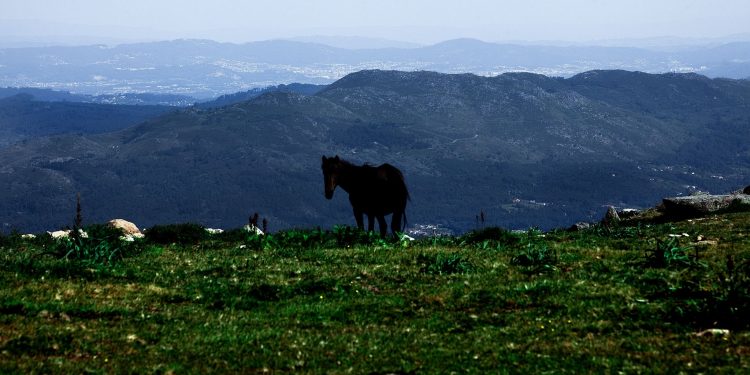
(124, 225)
(252, 229)
(60, 234)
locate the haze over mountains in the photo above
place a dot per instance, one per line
(527, 149)
(205, 69)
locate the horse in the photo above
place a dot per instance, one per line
(373, 191)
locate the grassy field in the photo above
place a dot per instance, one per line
(664, 298)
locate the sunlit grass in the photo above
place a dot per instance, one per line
(340, 301)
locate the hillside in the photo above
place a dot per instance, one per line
(24, 117)
(650, 298)
(526, 149)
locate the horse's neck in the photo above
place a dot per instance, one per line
(350, 178)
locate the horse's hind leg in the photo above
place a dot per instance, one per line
(383, 225)
(370, 223)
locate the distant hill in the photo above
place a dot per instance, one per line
(526, 149)
(22, 117)
(205, 69)
(48, 95)
(224, 100)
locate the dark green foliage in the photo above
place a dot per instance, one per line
(300, 239)
(668, 253)
(617, 230)
(183, 234)
(702, 302)
(303, 304)
(346, 236)
(537, 255)
(11, 240)
(495, 235)
(444, 264)
(95, 244)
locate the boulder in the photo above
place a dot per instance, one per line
(66, 233)
(698, 205)
(628, 213)
(611, 216)
(582, 225)
(125, 226)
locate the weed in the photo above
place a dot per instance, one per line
(537, 256)
(668, 253)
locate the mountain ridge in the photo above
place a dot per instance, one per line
(208, 69)
(528, 150)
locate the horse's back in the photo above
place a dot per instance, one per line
(394, 179)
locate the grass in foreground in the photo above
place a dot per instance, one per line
(652, 298)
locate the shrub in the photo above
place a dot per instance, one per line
(536, 255)
(183, 234)
(668, 253)
(101, 245)
(492, 235)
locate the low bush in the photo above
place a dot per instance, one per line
(97, 244)
(183, 234)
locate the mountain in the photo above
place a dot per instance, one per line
(23, 117)
(355, 42)
(526, 149)
(206, 69)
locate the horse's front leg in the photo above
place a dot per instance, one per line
(396, 222)
(358, 217)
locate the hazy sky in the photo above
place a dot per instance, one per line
(422, 21)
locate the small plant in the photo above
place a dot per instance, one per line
(668, 253)
(480, 219)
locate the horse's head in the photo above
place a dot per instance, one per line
(331, 168)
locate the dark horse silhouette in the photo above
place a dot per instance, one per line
(373, 191)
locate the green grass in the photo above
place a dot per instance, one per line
(605, 300)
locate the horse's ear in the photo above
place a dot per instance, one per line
(324, 158)
(336, 158)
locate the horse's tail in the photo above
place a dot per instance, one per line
(407, 198)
